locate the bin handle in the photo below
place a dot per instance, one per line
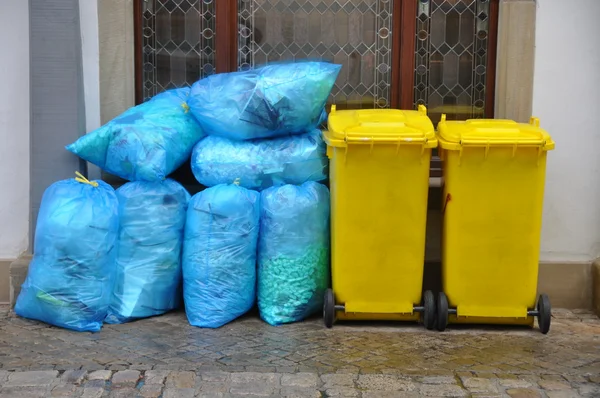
(508, 142)
(386, 140)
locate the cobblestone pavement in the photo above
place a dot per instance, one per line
(165, 357)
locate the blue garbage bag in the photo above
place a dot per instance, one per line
(293, 252)
(260, 164)
(219, 255)
(147, 142)
(148, 264)
(274, 100)
(68, 283)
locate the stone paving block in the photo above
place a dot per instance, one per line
(589, 390)
(553, 377)
(248, 377)
(214, 387)
(486, 375)
(342, 392)
(390, 394)
(437, 380)
(125, 392)
(100, 375)
(95, 384)
(181, 379)
(299, 392)
(3, 376)
(384, 383)
(155, 376)
(125, 378)
(334, 380)
(92, 392)
(595, 379)
(477, 384)
(151, 390)
(179, 393)
(73, 376)
(31, 378)
(64, 390)
(442, 390)
(552, 385)
(256, 388)
(523, 393)
(514, 383)
(300, 380)
(214, 376)
(211, 395)
(24, 392)
(562, 394)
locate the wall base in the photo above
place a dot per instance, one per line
(596, 286)
(5, 281)
(18, 272)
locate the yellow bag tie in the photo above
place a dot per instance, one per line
(236, 182)
(185, 106)
(83, 180)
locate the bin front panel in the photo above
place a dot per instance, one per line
(492, 224)
(379, 209)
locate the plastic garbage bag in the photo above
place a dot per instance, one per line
(148, 264)
(147, 142)
(219, 255)
(260, 164)
(274, 100)
(68, 283)
(293, 252)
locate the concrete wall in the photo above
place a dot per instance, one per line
(14, 137)
(14, 129)
(566, 98)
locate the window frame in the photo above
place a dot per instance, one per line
(403, 52)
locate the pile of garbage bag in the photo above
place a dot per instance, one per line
(260, 164)
(219, 255)
(274, 100)
(69, 279)
(293, 252)
(147, 142)
(257, 232)
(147, 267)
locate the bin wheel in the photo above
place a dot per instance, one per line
(329, 309)
(544, 313)
(428, 314)
(442, 312)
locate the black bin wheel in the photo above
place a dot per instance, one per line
(544, 313)
(442, 312)
(329, 309)
(428, 314)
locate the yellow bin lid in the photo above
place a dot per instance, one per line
(380, 126)
(454, 135)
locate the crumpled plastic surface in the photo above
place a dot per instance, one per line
(68, 283)
(260, 164)
(148, 259)
(145, 143)
(274, 100)
(219, 256)
(293, 252)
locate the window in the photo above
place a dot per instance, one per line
(451, 57)
(395, 53)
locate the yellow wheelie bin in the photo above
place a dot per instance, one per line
(494, 172)
(379, 179)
